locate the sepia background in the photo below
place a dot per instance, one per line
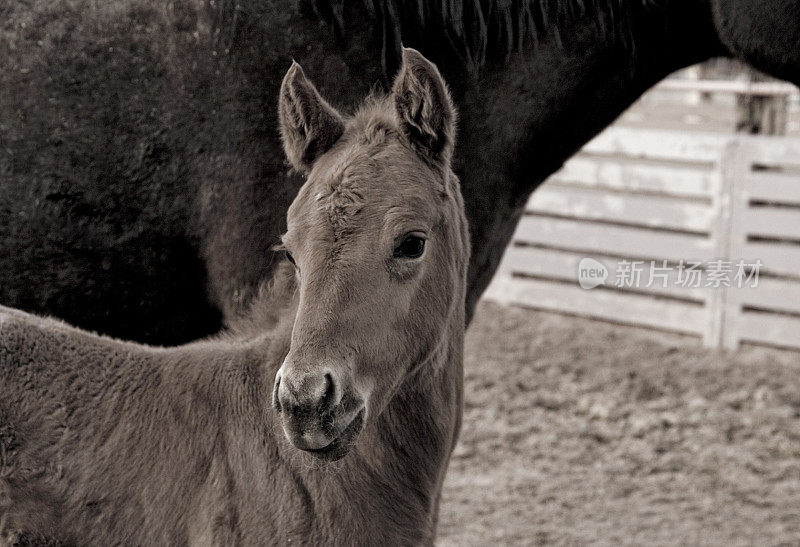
(645, 415)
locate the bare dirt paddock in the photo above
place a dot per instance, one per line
(578, 431)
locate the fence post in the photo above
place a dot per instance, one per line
(738, 162)
(714, 334)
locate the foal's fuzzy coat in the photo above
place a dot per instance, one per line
(107, 442)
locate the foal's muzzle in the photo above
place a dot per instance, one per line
(318, 411)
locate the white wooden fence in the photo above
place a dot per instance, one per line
(644, 197)
(736, 87)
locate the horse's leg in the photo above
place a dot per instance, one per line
(765, 33)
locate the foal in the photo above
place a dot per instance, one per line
(229, 440)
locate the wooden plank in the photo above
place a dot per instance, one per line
(777, 222)
(771, 294)
(736, 167)
(650, 211)
(726, 237)
(626, 175)
(674, 146)
(612, 240)
(546, 263)
(773, 187)
(606, 304)
(777, 258)
(774, 151)
(764, 328)
(737, 87)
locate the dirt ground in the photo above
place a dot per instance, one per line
(577, 431)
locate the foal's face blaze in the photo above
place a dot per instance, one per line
(376, 238)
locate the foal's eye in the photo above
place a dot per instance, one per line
(412, 246)
(290, 258)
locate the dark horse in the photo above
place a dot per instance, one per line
(142, 184)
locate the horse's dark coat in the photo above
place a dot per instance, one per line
(142, 180)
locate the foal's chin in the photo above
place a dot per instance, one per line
(339, 443)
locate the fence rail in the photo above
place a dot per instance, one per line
(660, 199)
(736, 87)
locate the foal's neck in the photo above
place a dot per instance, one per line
(410, 445)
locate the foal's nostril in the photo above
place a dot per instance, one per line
(329, 397)
(276, 402)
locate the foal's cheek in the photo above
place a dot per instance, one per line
(404, 271)
(382, 359)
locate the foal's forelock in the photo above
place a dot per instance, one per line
(340, 187)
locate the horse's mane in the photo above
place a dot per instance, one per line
(475, 31)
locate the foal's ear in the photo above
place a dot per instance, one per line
(309, 125)
(424, 108)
